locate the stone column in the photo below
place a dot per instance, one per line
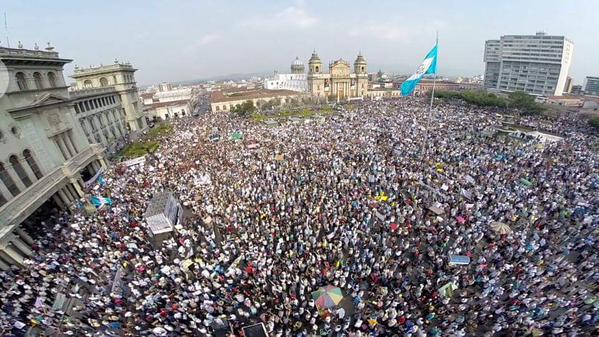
(59, 201)
(12, 256)
(70, 147)
(103, 163)
(22, 246)
(15, 177)
(101, 131)
(28, 170)
(72, 191)
(65, 197)
(61, 147)
(5, 192)
(4, 266)
(72, 142)
(24, 235)
(96, 166)
(77, 187)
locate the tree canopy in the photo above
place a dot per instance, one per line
(516, 100)
(244, 109)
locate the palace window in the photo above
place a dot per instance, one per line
(103, 82)
(16, 165)
(8, 182)
(32, 164)
(37, 77)
(21, 81)
(52, 79)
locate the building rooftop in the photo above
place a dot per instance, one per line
(31, 55)
(117, 66)
(155, 105)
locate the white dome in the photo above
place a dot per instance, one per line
(297, 62)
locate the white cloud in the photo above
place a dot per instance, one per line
(388, 32)
(289, 18)
(208, 38)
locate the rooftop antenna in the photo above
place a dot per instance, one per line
(6, 28)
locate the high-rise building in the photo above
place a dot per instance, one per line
(44, 155)
(568, 85)
(536, 64)
(591, 86)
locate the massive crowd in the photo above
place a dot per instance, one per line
(374, 200)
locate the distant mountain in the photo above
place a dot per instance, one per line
(232, 77)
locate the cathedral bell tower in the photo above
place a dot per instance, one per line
(361, 71)
(315, 80)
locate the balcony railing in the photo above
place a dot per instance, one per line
(28, 52)
(76, 92)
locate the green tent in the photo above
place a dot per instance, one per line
(237, 135)
(525, 182)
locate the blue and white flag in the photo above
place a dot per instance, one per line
(101, 180)
(428, 66)
(100, 201)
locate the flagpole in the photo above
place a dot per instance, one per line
(430, 107)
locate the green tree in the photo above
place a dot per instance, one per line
(594, 122)
(245, 109)
(525, 102)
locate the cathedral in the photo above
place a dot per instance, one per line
(340, 83)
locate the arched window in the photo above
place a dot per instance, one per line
(103, 82)
(37, 77)
(32, 164)
(16, 165)
(8, 182)
(87, 84)
(52, 79)
(21, 81)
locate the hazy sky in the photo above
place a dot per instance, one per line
(183, 40)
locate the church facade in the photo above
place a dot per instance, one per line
(340, 83)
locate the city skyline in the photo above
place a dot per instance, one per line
(189, 40)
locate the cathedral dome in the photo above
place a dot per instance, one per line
(297, 67)
(297, 62)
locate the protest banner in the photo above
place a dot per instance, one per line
(459, 260)
(93, 179)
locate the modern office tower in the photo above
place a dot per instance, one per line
(591, 86)
(537, 64)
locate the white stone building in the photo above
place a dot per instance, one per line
(101, 116)
(168, 102)
(297, 80)
(536, 64)
(120, 78)
(44, 154)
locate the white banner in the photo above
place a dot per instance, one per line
(135, 161)
(93, 179)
